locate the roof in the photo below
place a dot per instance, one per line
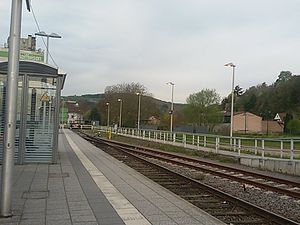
(247, 113)
(72, 107)
(34, 68)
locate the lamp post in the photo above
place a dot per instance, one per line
(107, 104)
(11, 108)
(120, 115)
(139, 110)
(52, 35)
(232, 97)
(172, 106)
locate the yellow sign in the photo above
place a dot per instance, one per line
(45, 97)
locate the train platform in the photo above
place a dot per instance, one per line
(89, 187)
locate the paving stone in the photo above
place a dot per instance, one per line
(58, 217)
(89, 223)
(58, 222)
(36, 215)
(82, 213)
(10, 219)
(57, 211)
(76, 199)
(34, 210)
(33, 222)
(83, 218)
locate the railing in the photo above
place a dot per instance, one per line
(284, 148)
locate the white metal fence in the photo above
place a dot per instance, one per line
(284, 148)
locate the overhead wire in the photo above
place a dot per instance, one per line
(38, 27)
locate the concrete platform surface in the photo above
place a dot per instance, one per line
(89, 187)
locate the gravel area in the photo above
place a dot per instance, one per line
(280, 204)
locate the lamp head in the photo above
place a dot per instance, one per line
(230, 64)
(54, 35)
(41, 33)
(107, 103)
(119, 100)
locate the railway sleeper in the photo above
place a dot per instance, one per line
(211, 206)
(238, 213)
(248, 222)
(204, 201)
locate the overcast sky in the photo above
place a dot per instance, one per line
(156, 41)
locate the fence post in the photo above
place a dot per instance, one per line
(193, 140)
(164, 137)
(174, 137)
(263, 148)
(281, 149)
(144, 134)
(255, 146)
(204, 141)
(239, 147)
(217, 144)
(234, 144)
(198, 142)
(184, 140)
(292, 150)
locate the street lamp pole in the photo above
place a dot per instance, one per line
(120, 115)
(52, 35)
(232, 99)
(172, 106)
(107, 104)
(11, 108)
(139, 110)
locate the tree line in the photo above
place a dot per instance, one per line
(204, 108)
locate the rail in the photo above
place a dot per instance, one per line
(225, 207)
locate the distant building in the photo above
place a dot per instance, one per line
(28, 44)
(74, 117)
(153, 120)
(27, 50)
(271, 126)
(246, 122)
(276, 125)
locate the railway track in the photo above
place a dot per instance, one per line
(225, 207)
(274, 184)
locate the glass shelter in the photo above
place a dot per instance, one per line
(39, 92)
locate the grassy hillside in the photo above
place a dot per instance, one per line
(88, 101)
(88, 98)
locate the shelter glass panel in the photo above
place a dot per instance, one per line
(40, 119)
(3, 85)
